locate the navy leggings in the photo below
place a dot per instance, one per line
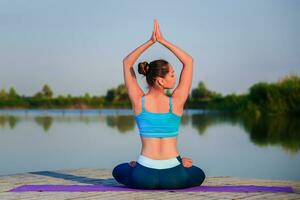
(142, 177)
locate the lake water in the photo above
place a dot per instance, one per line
(222, 145)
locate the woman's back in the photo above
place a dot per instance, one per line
(157, 105)
(154, 147)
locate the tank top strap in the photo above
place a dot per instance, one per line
(143, 104)
(170, 104)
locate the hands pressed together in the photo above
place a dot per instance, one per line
(156, 34)
(186, 162)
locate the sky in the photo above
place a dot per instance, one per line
(78, 46)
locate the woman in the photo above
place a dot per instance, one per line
(158, 117)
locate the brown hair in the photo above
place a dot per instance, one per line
(156, 68)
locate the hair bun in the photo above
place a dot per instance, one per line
(143, 68)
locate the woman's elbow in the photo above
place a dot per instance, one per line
(189, 61)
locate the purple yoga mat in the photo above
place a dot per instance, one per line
(103, 188)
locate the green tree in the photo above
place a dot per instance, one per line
(87, 95)
(47, 91)
(110, 95)
(121, 93)
(12, 94)
(201, 92)
(168, 92)
(3, 94)
(38, 95)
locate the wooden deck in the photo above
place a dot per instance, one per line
(92, 176)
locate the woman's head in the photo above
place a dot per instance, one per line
(158, 73)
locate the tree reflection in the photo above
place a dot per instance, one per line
(44, 121)
(274, 130)
(264, 130)
(124, 123)
(11, 120)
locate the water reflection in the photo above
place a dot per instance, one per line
(10, 120)
(263, 131)
(203, 122)
(44, 121)
(275, 130)
(266, 130)
(123, 123)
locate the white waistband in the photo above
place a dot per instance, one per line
(157, 164)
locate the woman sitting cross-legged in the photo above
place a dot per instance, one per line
(159, 166)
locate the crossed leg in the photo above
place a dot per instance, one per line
(196, 174)
(122, 173)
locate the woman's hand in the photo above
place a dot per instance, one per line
(158, 34)
(153, 37)
(187, 162)
(132, 163)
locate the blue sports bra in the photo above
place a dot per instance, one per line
(160, 125)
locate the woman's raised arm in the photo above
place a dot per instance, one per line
(134, 55)
(133, 88)
(182, 91)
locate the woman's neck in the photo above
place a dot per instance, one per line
(157, 92)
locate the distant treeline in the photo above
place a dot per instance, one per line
(114, 98)
(282, 96)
